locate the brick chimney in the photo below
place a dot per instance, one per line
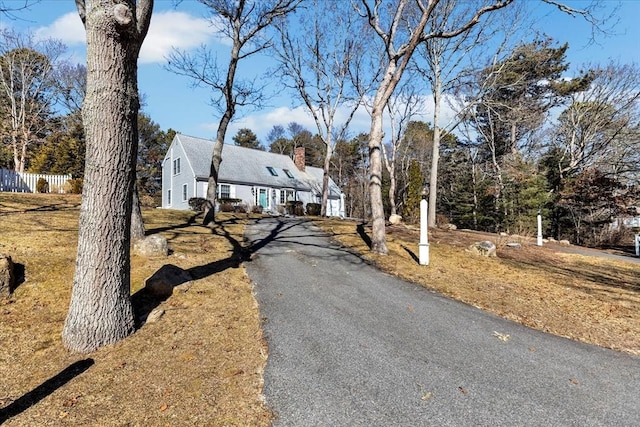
(298, 158)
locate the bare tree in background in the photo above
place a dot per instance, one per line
(10, 7)
(599, 127)
(401, 28)
(100, 311)
(244, 23)
(27, 89)
(449, 61)
(402, 108)
(318, 65)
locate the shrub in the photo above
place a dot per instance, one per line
(314, 209)
(240, 208)
(42, 186)
(73, 186)
(226, 207)
(257, 209)
(295, 208)
(197, 204)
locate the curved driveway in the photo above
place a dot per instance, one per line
(352, 346)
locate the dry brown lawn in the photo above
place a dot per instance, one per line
(201, 364)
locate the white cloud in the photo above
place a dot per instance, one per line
(168, 29)
(68, 28)
(172, 29)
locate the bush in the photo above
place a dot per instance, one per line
(197, 204)
(42, 186)
(314, 209)
(295, 208)
(226, 207)
(73, 186)
(240, 208)
(257, 209)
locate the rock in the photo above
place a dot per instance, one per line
(162, 282)
(450, 227)
(564, 243)
(154, 245)
(155, 315)
(7, 276)
(395, 219)
(485, 248)
(515, 245)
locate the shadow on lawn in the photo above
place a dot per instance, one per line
(45, 389)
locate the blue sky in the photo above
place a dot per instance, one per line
(173, 103)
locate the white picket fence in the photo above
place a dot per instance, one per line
(18, 182)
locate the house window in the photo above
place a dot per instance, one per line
(285, 196)
(169, 197)
(176, 166)
(185, 191)
(288, 173)
(224, 191)
(272, 171)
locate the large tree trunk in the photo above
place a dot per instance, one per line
(378, 232)
(100, 311)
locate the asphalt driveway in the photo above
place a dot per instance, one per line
(352, 346)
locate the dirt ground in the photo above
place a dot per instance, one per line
(201, 363)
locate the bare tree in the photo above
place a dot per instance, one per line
(401, 27)
(401, 108)
(318, 64)
(449, 61)
(597, 129)
(100, 311)
(9, 8)
(244, 23)
(26, 89)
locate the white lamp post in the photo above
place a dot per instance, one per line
(637, 241)
(539, 228)
(423, 248)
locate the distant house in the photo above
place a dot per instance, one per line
(253, 176)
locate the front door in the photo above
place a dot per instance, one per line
(263, 198)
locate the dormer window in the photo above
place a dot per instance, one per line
(272, 171)
(288, 173)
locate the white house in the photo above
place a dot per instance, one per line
(256, 177)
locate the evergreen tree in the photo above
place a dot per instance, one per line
(246, 138)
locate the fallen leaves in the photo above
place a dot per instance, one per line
(501, 337)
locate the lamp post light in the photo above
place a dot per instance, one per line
(423, 247)
(539, 227)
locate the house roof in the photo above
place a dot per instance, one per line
(248, 166)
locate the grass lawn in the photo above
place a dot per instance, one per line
(202, 362)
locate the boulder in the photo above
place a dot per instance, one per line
(395, 219)
(450, 227)
(564, 243)
(485, 248)
(153, 245)
(7, 276)
(162, 282)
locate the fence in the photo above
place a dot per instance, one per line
(22, 182)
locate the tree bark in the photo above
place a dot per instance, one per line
(100, 311)
(435, 153)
